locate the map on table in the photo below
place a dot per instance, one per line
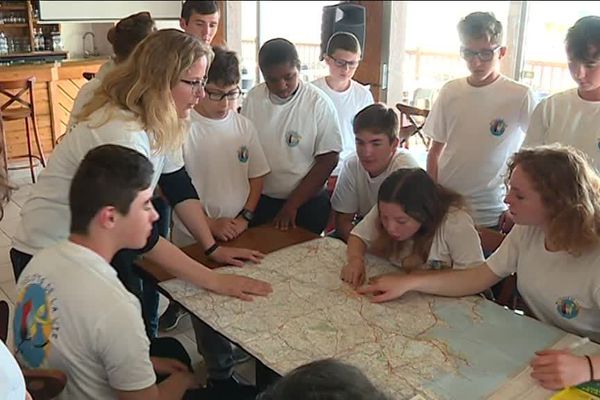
(417, 347)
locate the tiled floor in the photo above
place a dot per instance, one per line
(22, 180)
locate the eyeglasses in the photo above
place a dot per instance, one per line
(344, 63)
(217, 96)
(483, 55)
(196, 85)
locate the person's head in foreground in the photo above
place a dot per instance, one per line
(327, 379)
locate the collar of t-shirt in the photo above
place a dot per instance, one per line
(197, 117)
(582, 102)
(335, 92)
(490, 86)
(278, 101)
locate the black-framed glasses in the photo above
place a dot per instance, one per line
(197, 85)
(344, 63)
(483, 55)
(218, 96)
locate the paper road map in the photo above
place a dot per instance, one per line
(418, 347)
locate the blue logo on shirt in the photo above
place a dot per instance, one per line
(497, 127)
(292, 138)
(242, 154)
(567, 307)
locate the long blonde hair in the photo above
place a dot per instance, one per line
(142, 85)
(570, 190)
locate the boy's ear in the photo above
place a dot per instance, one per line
(502, 52)
(106, 217)
(182, 23)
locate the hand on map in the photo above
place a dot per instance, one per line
(238, 286)
(226, 229)
(285, 218)
(386, 287)
(236, 256)
(557, 369)
(354, 273)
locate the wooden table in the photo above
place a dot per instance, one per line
(265, 239)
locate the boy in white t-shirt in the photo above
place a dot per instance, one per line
(200, 19)
(478, 122)
(226, 164)
(300, 135)
(377, 155)
(572, 117)
(72, 312)
(348, 96)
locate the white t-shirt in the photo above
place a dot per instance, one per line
(481, 127)
(292, 134)
(455, 244)
(347, 104)
(567, 119)
(73, 314)
(45, 216)
(356, 192)
(86, 92)
(220, 157)
(561, 289)
(12, 383)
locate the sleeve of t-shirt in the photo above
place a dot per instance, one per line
(526, 109)
(505, 259)
(345, 196)
(435, 124)
(368, 99)
(367, 229)
(462, 240)
(258, 165)
(329, 137)
(173, 161)
(537, 128)
(126, 357)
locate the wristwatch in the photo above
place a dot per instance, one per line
(246, 214)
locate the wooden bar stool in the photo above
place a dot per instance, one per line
(18, 107)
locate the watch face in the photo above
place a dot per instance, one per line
(247, 215)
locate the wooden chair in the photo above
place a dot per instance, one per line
(21, 106)
(412, 120)
(42, 384)
(89, 75)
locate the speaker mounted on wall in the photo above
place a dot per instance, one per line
(343, 17)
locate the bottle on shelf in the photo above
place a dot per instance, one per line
(3, 44)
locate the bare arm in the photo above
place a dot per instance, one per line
(451, 283)
(314, 180)
(172, 388)
(433, 156)
(343, 225)
(256, 185)
(354, 271)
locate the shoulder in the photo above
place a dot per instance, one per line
(258, 92)
(351, 164)
(404, 159)
(359, 88)
(317, 98)
(320, 83)
(564, 97)
(457, 217)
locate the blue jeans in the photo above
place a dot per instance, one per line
(216, 350)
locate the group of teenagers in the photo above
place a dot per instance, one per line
(158, 131)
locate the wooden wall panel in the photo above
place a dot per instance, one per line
(64, 96)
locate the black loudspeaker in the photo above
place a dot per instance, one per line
(343, 17)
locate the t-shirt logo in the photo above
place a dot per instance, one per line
(497, 127)
(35, 322)
(438, 264)
(598, 144)
(567, 307)
(292, 138)
(242, 154)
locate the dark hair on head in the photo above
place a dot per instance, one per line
(225, 67)
(109, 175)
(378, 119)
(327, 379)
(276, 52)
(423, 200)
(128, 32)
(199, 7)
(343, 41)
(583, 39)
(479, 25)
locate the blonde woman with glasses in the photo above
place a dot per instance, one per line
(144, 104)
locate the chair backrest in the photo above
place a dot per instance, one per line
(3, 320)
(89, 75)
(412, 120)
(16, 91)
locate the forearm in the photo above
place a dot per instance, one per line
(179, 264)
(174, 387)
(596, 367)
(453, 283)
(313, 181)
(433, 156)
(356, 249)
(256, 185)
(343, 225)
(191, 213)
